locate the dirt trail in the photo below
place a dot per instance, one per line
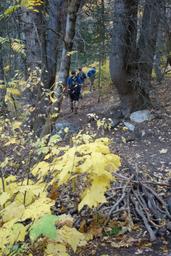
(148, 148)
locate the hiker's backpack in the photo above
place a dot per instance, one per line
(73, 83)
(91, 72)
(82, 76)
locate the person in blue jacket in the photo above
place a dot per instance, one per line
(82, 76)
(74, 89)
(91, 74)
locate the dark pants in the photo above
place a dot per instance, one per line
(74, 98)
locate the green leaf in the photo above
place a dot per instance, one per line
(114, 232)
(45, 226)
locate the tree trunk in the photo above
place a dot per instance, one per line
(53, 40)
(31, 22)
(73, 8)
(131, 63)
(147, 44)
(123, 53)
(2, 87)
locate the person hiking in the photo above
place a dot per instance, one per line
(82, 76)
(91, 74)
(74, 89)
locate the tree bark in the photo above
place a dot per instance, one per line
(31, 22)
(53, 39)
(2, 87)
(131, 62)
(147, 43)
(73, 8)
(123, 53)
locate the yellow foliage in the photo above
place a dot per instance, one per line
(93, 159)
(41, 168)
(12, 141)
(37, 209)
(56, 249)
(31, 4)
(95, 194)
(71, 236)
(14, 91)
(28, 199)
(12, 211)
(3, 198)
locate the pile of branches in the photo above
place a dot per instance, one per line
(139, 199)
(142, 201)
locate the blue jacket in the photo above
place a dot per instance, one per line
(74, 84)
(91, 72)
(82, 76)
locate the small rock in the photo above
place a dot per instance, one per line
(169, 226)
(114, 122)
(61, 126)
(163, 151)
(141, 116)
(130, 126)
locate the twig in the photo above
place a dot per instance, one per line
(141, 214)
(160, 200)
(119, 201)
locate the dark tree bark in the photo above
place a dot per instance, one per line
(2, 87)
(122, 59)
(131, 62)
(53, 39)
(31, 27)
(147, 43)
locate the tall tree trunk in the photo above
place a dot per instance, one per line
(53, 39)
(73, 8)
(147, 45)
(131, 63)
(2, 87)
(31, 22)
(122, 59)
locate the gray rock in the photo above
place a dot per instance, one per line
(114, 122)
(130, 126)
(141, 116)
(61, 125)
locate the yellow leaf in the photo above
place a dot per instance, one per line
(95, 194)
(37, 209)
(12, 141)
(52, 97)
(68, 168)
(66, 130)
(18, 233)
(56, 249)
(72, 237)
(14, 91)
(3, 198)
(16, 124)
(12, 211)
(41, 168)
(123, 139)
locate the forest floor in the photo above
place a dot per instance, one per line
(148, 149)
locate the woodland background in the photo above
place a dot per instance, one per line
(95, 183)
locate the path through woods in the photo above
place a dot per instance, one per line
(147, 149)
